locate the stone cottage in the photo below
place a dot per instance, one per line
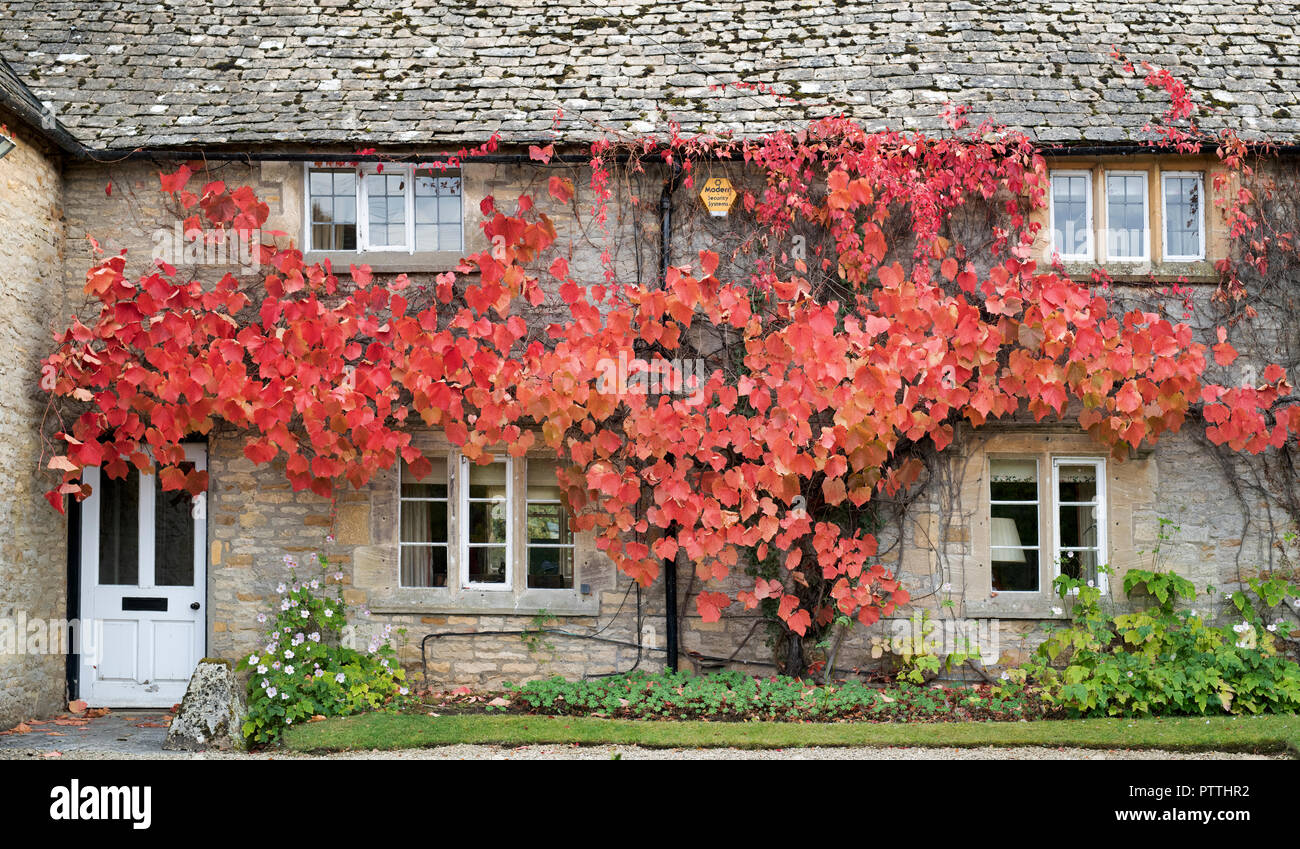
(97, 98)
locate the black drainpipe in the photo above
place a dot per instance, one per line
(670, 566)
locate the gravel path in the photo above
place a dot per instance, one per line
(604, 753)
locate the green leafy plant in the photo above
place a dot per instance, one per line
(1163, 660)
(732, 695)
(534, 638)
(304, 671)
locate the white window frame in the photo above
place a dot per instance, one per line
(1089, 215)
(1199, 176)
(1038, 510)
(463, 502)
(363, 207)
(1103, 551)
(1146, 215)
(451, 563)
(571, 545)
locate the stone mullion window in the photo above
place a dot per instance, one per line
(388, 208)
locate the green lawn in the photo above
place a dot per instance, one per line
(404, 731)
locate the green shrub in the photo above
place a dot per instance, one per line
(1164, 661)
(304, 671)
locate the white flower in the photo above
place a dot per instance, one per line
(270, 693)
(339, 678)
(1056, 611)
(284, 696)
(328, 613)
(261, 670)
(304, 614)
(314, 636)
(284, 605)
(947, 586)
(1091, 584)
(403, 691)
(252, 658)
(280, 589)
(261, 618)
(1130, 674)
(315, 584)
(1006, 676)
(288, 670)
(288, 654)
(264, 683)
(1272, 627)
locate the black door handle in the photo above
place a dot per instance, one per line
(194, 606)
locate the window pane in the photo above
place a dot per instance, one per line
(434, 484)
(487, 565)
(1015, 524)
(173, 535)
(424, 521)
(319, 184)
(437, 207)
(119, 529)
(1070, 214)
(1182, 216)
(424, 506)
(1126, 215)
(386, 208)
(1015, 570)
(1013, 480)
(550, 568)
(1078, 526)
(333, 210)
(487, 521)
(345, 209)
(1078, 483)
(487, 481)
(424, 566)
(548, 523)
(1080, 565)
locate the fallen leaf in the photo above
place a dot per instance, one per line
(77, 706)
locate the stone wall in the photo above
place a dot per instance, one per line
(33, 542)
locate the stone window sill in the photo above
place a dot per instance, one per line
(485, 603)
(380, 262)
(1140, 272)
(1006, 606)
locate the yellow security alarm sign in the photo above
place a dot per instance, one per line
(718, 195)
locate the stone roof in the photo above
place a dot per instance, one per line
(152, 73)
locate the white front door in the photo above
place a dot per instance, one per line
(143, 580)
